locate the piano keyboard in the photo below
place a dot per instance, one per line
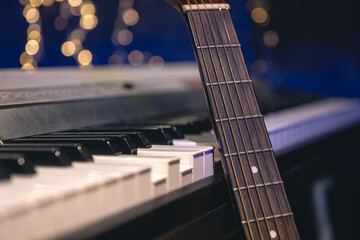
(81, 178)
(62, 181)
(78, 177)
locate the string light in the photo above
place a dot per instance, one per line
(259, 15)
(156, 63)
(271, 38)
(88, 22)
(36, 3)
(74, 3)
(68, 48)
(34, 35)
(26, 58)
(130, 17)
(32, 15)
(136, 58)
(85, 57)
(124, 37)
(75, 11)
(87, 9)
(28, 66)
(32, 47)
(33, 27)
(73, 46)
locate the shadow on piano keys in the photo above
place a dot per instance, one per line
(152, 109)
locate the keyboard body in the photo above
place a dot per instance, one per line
(56, 100)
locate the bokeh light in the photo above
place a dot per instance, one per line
(259, 67)
(88, 22)
(68, 48)
(85, 57)
(32, 15)
(136, 58)
(156, 63)
(271, 38)
(36, 3)
(32, 47)
(130, 17)
(87, 9)
(124, 37)
(259, 15)
(74, 3)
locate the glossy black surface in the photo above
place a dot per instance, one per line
(47, 156)
(16, 164)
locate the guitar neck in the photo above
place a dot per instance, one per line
(247, 155)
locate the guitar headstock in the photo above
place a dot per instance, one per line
(179, 4)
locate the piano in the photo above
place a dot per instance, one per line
(63, 129)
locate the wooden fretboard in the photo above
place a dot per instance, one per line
(247, 154)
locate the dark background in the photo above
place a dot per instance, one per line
(318, 48)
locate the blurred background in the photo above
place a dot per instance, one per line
(296, 46)
(299, 44)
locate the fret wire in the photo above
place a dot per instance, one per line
(247, 126)
(219, 46)
(290, 214)
(234, 109)
(257, 131)
(266, 135)
(259, 185)
(250, 135)
(239, 118)
(250, 151)
(227, 114)
(222, 129)
(231, 82)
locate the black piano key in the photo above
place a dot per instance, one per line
(138, 138)
(47, 156)
(154, 134)
(183, 125)
(4, 173)
(101, 146)
(16, 163)
(76, 151)
(122, 142)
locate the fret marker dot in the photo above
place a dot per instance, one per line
(254, 169)
(273, 234)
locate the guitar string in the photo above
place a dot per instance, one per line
(266, 135)
(218, 112)
(217, 109)
(257, 131)
(238, 124)
(252, 113)
(229, 121)
(243, 111)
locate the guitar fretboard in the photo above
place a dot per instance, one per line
(247, 158)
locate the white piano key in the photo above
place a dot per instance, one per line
(12, 217)
(186, 175)
(208, 153)
(158, 184)
(90, 198)
(189, 157)
(170, 166)
(291, 128)
(143, 179)
(183, 142)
